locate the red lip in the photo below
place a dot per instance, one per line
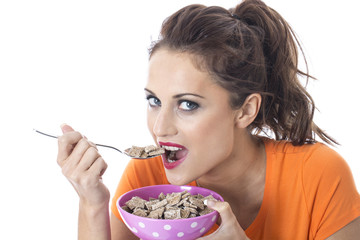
(170, 144)
(171, 165)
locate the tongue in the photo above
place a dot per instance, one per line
(180, 154)
(176, 155)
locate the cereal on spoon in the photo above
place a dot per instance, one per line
(144, 152)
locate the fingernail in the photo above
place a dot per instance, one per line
(209, 203)
(62, 127)
(66, 128)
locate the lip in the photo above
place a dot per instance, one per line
(171, 165)
(170, 144)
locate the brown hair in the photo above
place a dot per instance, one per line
(248, 49)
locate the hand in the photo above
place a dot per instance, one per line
(83, 166)
(229, 228)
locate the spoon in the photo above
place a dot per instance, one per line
(158, 153)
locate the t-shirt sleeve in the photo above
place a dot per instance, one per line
(330, 192)
(138, 173)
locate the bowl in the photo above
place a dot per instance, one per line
(182, 229)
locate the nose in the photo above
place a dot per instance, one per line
(164, 124)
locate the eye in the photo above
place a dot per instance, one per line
(188, 105)
(153, 101)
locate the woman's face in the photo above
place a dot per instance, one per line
(190, 115)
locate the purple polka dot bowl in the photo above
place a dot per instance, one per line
(182, 229)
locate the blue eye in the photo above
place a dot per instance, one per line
(188, 105)
(153, 101)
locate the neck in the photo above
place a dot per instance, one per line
(240, 178)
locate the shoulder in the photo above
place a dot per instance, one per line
(329, 190)
(309, 155)
(322, 160)
(314, 165)
(323, 181)
(323, 168)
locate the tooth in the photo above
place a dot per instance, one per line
(174, 148)
(170, 148)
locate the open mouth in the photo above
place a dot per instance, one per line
(172, 153)
(175, 154)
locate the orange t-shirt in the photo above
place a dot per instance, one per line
(309, 191)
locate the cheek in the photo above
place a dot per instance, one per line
(150, 119)
(213, 136)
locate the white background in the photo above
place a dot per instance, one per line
(85, 62)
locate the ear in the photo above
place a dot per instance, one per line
(248, 111)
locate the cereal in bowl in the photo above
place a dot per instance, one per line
(176, 205)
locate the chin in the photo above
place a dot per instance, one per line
(177, 180)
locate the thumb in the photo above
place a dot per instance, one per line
(66, 128)
(229, 228)
(223, 208)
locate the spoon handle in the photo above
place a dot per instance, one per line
(45, 134)
(99, 145)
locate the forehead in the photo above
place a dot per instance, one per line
(169, 68)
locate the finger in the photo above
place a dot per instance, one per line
(78, 152)
(223, 208)
(89, 157)
(98, 168)
(229, 228)
(66, 144)
(93, 145)
(79, 161)
(66, 128)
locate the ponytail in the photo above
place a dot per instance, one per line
(249, 49)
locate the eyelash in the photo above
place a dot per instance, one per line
(148, 98)
(194, 104)
(180, 102)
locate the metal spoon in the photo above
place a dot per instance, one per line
(107, 146)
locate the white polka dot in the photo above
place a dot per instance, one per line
(142, 225)
(155, 234)
(134, 230)
(167, 227)
(213, 218)
(180, 234)
(202, 230)
(194, 224)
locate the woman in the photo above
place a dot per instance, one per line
(217, 79)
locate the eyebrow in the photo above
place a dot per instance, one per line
(177, 95)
